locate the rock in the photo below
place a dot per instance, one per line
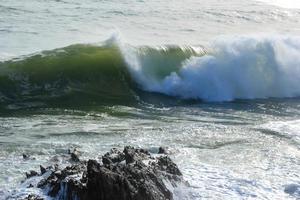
(132, 154)
(124, 182)
(43, 170)
(56, 159)
(74, 155)
(166, 164)
(113, 156)
(31, 173)
(162, 150)
(58, 173)
(25, 156)
(33, 197)
(129, 175)
(42, 183)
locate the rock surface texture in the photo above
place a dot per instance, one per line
(131, 174)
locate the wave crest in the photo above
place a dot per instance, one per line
(239, 68)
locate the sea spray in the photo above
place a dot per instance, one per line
(245, 67)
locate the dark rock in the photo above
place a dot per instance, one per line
(43, 170)
(33, 197)
(31, 173)
(42, 183)
(74, 155)
(58, 173)
(129, 175)
(162, 150)
(113, 156)
(55, 159)
(132, 154)
(25, 156)
(166, 164)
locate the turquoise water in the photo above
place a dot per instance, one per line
(218, 83)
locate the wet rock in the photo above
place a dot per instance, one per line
(43, 169)
(74, 155)
(42, 183)
(162, 150)
(56, 159)
(25, 156)
(132, 154)
(131, 174)
(58, 173)
(33, 197)
(31, 173)
(167, 165)
(113, 156)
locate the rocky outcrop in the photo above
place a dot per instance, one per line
(131, 174)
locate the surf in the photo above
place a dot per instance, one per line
(242, 67)
(116, 73)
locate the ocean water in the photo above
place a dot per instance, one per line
(216, 82)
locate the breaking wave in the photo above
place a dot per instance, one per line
(245, 67)
(239, 68)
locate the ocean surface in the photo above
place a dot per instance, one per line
(216, 82)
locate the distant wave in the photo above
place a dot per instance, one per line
(244, 67)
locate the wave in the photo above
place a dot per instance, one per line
(245, 67)
(82, 75)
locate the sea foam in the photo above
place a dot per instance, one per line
(243, 67)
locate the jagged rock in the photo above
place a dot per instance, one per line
(166, 164)
(129, 175)
(33, 197)
(132, 154)
(42, 169)
(25, 156)
(74, 155)
(42, 183)
(162, 150)
(31, 173)
(113, 156)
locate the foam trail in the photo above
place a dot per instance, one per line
(246, 67)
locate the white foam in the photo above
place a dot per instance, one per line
(243, 67)
(290, 129)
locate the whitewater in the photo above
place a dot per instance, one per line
(235, 68)
(216, 82)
